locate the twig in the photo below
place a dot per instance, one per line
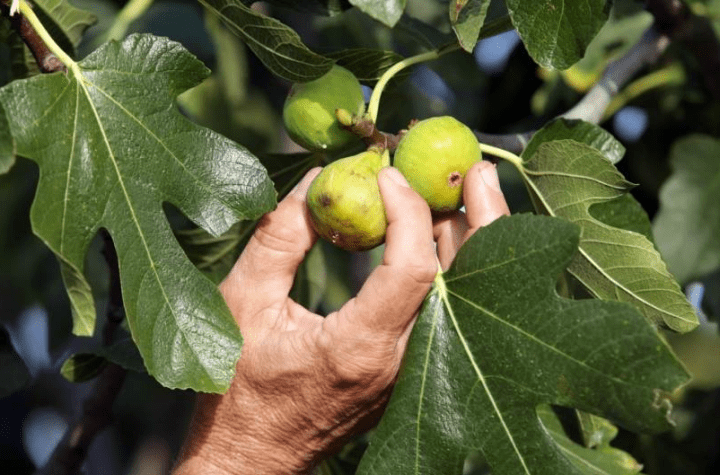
(70, 454)
(673, 22)
(592, 106)
(45, 59)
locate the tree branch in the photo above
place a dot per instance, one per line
(45, 59)
(70, 454)
(673, 22)
(593, 105)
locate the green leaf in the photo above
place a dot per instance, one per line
(493, 341)
(623, 212)
(366, 64)
(82, 367)
(70, 21)
(65, 23)
(320, 7)
(274, 43)
(112, 147)
(467, 18)
(606, 460)
(687, 225)
(423, 33)
(387, 12)
(580, 131)
(7, 144)
(310, 280)
(596, 431)
(556, 32)
(214, 256)
(566, 178)
(14, 375)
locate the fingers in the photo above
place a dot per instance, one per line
(484, 203)
(484, 200)
(263, 275)
(392, 294)
(449, 232)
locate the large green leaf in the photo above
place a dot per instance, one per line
(494, 341)
(467, 18)
(112, 147)
(274, 43)
(687, 226)
(566, 178)
(387, 12)
(556, 32)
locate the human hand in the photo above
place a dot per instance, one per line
(305, 384)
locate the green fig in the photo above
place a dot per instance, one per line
(309, 110)
(345, 203)
(434, 156)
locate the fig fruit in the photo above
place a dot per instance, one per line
(434, 156)
(309, 110)
(345, 203)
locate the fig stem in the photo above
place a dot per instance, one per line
(374, 103)
(504, 154)
(27, 11)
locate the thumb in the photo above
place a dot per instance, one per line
(394, 291)
(264, 273)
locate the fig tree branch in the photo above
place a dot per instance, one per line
(46, 60)
(674, 22)
(96, 415)
(592, 107)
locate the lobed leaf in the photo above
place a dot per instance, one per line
(557, 32)
(565, 179)
(111, 148)
(467, 18)
(687, 225)
(493, 341)
(274, 43)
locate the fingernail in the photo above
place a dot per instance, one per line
(397, 177)
(488, 171)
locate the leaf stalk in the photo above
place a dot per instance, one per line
(374, 103)
(27, 11)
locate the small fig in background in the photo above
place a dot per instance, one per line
(434, 156)
(345, 203)
(309, 110)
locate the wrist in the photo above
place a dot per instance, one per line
(222, 441)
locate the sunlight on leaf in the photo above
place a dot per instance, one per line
(112, 147)
(565, 178)
(494, 341)
(556, 32)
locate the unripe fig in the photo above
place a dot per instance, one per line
(434, 156)
(309, 110)
(345, 203)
